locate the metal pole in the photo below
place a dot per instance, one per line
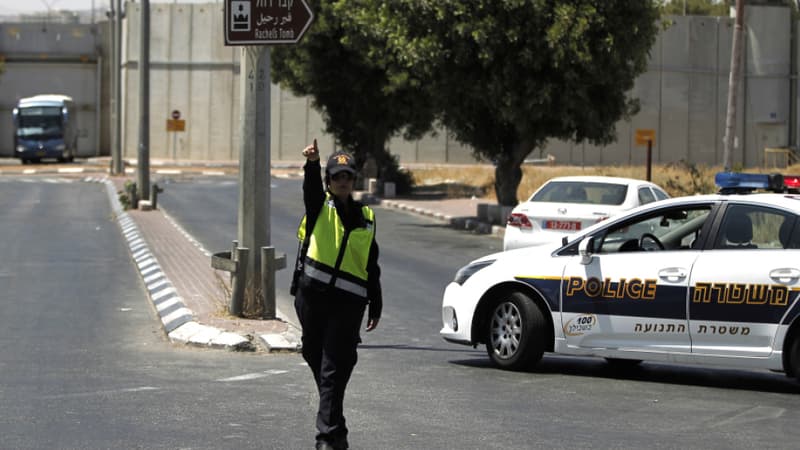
(144, 103)
(239, 281)
(733, 87)
(254, 169)
(112, 16)
(268, 281)
(98, 104)
(116, 152)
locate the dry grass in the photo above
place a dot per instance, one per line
(677, 179)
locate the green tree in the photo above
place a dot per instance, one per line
(362, 107)
(508, 75)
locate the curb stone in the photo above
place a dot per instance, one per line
(178, 320)
(460, 223)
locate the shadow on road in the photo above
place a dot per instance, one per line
(655, 372)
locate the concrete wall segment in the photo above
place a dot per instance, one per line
(683, 95)
(56, 58)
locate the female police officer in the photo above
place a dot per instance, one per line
(336, 279)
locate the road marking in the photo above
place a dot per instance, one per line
(253, 376)
(103, 393)
(750, 415)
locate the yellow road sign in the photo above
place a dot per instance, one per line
(176, 125)
(643, 136)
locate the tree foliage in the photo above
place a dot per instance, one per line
(362, 107)
(506, 76)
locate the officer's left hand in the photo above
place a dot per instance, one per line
(372, 324)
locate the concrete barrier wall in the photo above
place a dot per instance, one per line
(56, 58)
(683, 95)
(190, 72)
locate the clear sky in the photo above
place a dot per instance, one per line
(28, 6)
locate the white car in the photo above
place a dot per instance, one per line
(711, 279)
(565, 205)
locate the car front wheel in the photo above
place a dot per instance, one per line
(515, 332)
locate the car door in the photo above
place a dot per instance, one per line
(744, 284)
(630, 296)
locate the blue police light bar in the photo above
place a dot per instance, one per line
(745, 182)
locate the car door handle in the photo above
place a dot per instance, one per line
(672, 274)
(784, 275)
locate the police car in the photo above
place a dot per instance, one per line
(708, 279)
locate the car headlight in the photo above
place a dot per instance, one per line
(469, 270)
(20, 148)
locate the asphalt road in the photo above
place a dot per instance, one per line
(425, 393)
(84, 363)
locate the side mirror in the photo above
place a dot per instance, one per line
(585, 249)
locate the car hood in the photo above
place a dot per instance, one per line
(544, 249)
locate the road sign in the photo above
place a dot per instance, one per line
(263, 22)
(176, 125)
(645, 136)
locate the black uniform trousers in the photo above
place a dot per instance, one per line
(330, 338)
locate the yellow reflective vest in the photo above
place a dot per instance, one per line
(337, 257)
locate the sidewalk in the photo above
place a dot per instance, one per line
(190, 297)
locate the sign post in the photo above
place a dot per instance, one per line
(646, 137)
(175, 125)
(255, 24)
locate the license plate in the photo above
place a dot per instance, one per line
(562, 225)
(41, 153)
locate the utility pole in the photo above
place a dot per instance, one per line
(254, 168)
(116, 61)
(119, 168)
(733, 88)
(255, 25)
(143, 176)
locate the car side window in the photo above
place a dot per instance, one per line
(755, 227)
(660, 195)
(645, 195)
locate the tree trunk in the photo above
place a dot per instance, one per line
(508, 174)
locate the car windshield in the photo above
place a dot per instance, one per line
(581, 192)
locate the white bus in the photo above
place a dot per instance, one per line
(45, 128)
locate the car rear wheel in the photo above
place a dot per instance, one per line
(515, 332)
